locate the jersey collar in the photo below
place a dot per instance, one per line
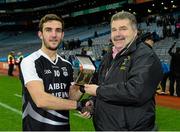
(47, 57)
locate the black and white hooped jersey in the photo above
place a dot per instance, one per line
(56, 77)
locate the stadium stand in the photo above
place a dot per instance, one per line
(19, 18)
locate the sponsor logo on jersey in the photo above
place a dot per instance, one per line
(47, 71)
(58, 90)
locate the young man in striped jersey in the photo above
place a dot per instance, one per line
(47, 77)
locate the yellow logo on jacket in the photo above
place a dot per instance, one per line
(123, 65)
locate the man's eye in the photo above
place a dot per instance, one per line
(123, 29)
(59, 30)
(48, 30)
(113, 30)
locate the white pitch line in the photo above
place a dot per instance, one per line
(20, 113)
(17, 95)
(10, 108)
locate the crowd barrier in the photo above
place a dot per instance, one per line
(4, 69)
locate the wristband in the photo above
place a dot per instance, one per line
(82, 90)
(79, 106)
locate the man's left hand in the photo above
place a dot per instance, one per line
(90, 89)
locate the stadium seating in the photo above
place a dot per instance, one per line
(27, 42)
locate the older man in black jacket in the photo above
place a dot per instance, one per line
(128, 77)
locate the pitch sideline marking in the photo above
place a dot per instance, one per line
(17, 95)
(10, 108)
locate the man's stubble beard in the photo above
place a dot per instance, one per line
(52, 49)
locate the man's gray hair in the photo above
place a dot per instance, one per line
(125, 15)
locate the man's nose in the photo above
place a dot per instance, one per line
(119, 32)
(54, 33)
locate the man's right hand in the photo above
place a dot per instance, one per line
(89, 106)
(86, 108)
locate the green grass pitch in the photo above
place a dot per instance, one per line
(10, 118)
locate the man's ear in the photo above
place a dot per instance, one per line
(63, 34)
(40, 34)
(136, 32)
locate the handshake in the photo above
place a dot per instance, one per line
(85, 105)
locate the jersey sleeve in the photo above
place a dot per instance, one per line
(29, 71)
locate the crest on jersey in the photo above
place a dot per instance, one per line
(65, 73)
